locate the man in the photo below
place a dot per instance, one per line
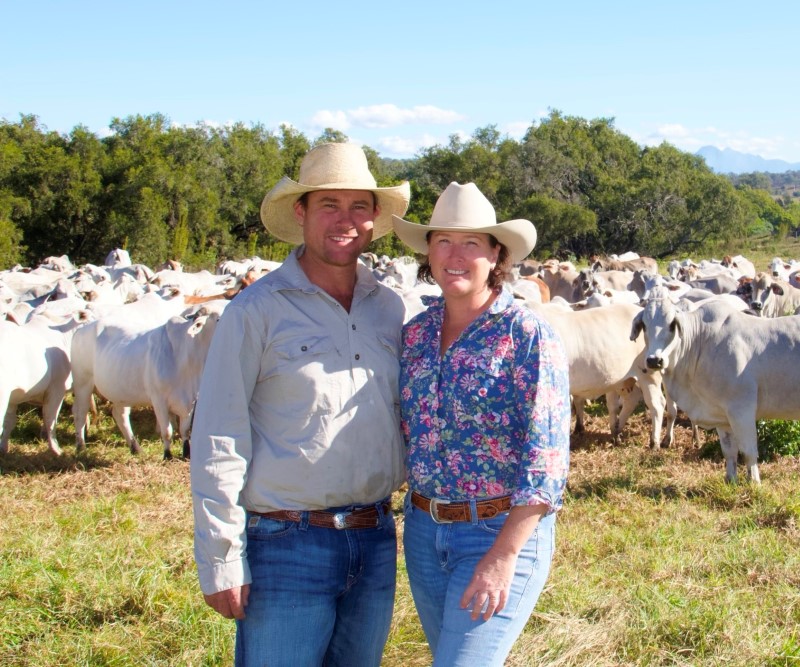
(296, 446)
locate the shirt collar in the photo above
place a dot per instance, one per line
(292, 276)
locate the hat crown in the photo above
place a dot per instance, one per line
(337, 164)
(463, 206)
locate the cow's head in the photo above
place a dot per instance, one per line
(763, 287)
(661, 324)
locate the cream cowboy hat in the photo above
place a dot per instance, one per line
(333, 166)
(464, 208)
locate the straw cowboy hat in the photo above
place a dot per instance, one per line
(333, 166)
(464, 208)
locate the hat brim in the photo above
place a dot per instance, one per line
(519, 236)
(277, 209)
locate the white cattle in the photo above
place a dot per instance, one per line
(780, 269)
(724, 369)
(159, 367)
(61, 263)
(606, 297)
(773, 298)
(118, 258)
(636, 263)
(740, 264)
(200, 283)
(35, 368)
(602, 359)
(559, 278)
(590, 281)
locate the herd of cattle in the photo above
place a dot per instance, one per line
(718, 340)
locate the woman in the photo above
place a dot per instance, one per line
(485, 415)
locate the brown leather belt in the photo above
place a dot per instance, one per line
(365, 517)
(445, 511)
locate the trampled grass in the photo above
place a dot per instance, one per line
(659, 562)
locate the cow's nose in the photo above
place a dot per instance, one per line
(654, 363)
(756, 305)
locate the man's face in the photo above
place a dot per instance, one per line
(337, 224)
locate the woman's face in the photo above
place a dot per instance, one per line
(461, 262)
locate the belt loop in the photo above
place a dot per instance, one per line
(473, 511)
(303, 521)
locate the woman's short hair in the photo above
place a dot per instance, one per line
(497, 276)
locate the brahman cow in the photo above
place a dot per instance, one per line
(35, 368)
(724, 369)
(769, 297)
(602, 360)
(130, 367)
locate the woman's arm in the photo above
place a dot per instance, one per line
(490, 585)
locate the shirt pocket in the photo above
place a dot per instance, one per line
(308, 370)
(301, 351)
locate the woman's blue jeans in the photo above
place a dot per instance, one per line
(441, 558)
(318, 596)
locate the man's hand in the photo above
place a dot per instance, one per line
(230, 603)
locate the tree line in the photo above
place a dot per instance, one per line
(193, 193)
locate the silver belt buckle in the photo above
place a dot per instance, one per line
(434, 510)
(340, 520)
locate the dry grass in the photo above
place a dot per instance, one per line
(658, 562)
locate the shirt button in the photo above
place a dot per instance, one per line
(358, 356)
(354, 327)
(304, 348)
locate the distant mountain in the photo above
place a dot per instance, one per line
(728, 161)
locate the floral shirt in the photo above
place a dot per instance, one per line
(491, 416)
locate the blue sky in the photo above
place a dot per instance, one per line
(405, 75)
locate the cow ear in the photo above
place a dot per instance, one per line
(637, 326)
(777, 289)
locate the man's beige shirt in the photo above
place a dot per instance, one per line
(298, 409)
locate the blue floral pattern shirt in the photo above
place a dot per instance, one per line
(490, 417)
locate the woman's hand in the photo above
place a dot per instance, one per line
(490, 585)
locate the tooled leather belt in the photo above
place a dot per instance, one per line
(363, 517)
(444, 511)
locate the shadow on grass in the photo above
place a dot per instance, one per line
(27, 461)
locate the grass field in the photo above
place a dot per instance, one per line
(658, 562)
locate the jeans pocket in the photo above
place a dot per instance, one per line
(262, 528)
(493, 525)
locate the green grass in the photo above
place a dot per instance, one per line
(659, 562)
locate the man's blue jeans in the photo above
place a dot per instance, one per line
(319, 595)
(440, 560)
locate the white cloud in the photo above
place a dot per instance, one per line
(383, 116)
(517, 129)
(405, 147)
(337, 120)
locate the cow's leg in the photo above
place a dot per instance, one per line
(730, 452)
(672, 416)
(613, 405)
(9, 421)
(655, 401)
(695, 436)
(745, 439)
(185, 429)
(122, 415)
(82, 399)
(164, 427)
(51, 406)
(630, 395)
(578, 404)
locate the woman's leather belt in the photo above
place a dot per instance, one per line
(446, 511)
(363, 517)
